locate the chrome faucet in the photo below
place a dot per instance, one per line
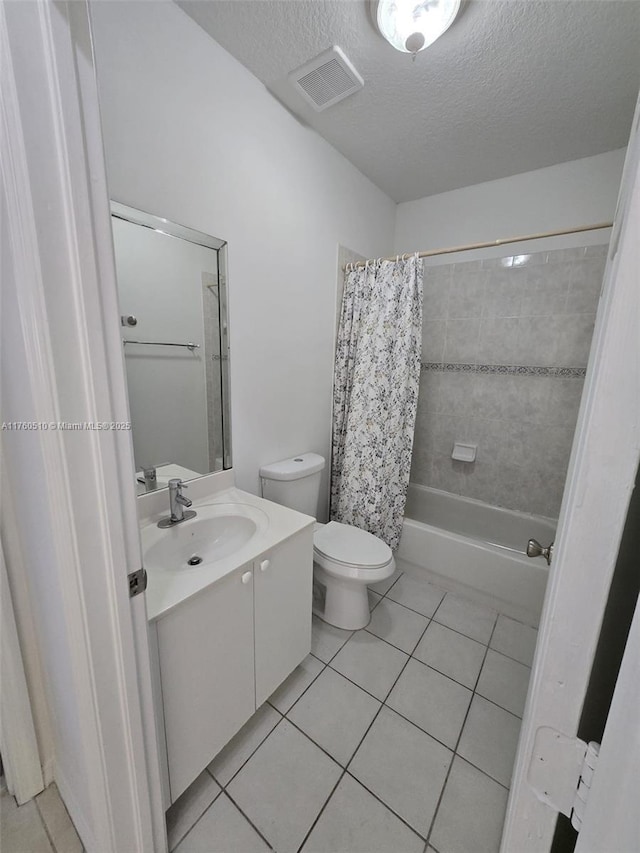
(177, 502)
(150, 478)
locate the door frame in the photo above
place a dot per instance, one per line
(600, 479)
(60, 243)
(611, 821)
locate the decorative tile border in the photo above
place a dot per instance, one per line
(510, 369)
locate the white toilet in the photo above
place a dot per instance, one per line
(345, 558)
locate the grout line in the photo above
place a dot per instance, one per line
(486, 645)
(364, 689)
(253, 752)
(386, 805)
(455, 751)
(433, 618)
(480, 770)
(205, 810)
(315, 743)
(383, 705)
(319, 815)
(384, 640)
(384, 701)
(366, 732)
(515, 660)
(412, 609)
(345, 769)
(248, 819)
(298, 698)
(496, 705)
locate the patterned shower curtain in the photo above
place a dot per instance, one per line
(376, 383)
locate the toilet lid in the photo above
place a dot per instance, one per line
(350, 545)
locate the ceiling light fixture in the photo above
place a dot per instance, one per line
(412, 25)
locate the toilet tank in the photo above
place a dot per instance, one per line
(294, 482)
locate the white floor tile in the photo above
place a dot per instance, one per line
(385, 586)
(417, 594)
(327, 640)
(294, 686)
(370, 662)
(335, 714)
(227, 763)
(404, 767)
(490, 739)
(283, 786)
(432, 701)
(355, 822)
(467, 618)
(504, 681)
(223, 829)
(189, 807)
(452, 653)
(397, 625)
(374, 598)
(514, 640)
(471, 814)
(61, 830)
(22, 828)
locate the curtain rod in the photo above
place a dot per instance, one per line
(452, 249)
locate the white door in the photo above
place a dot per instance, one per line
(77, 521)
(612, 819)
(603, 464)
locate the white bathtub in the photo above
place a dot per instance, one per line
(471, 544)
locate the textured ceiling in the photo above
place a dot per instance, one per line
(514, 85)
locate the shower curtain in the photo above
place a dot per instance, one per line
(376, 383)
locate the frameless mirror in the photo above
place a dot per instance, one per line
(172, 293)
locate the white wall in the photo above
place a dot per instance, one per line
(192, 136)
(580, 192)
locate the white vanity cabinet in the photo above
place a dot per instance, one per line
(282, 611)
(205, 652)
(223, 651)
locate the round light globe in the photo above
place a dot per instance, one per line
(412, 25)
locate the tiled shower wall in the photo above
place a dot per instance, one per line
(496, 336)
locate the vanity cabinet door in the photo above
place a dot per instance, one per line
(207, 673)
(282, 611)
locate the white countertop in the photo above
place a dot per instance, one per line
(166, 589)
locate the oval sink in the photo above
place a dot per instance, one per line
(217, 532)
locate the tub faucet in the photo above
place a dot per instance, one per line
(177, 502)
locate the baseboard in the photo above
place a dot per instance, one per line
(87, 837)
(47, 772)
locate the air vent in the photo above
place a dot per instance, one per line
(327, 79)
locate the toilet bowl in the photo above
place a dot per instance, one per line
(345, 559)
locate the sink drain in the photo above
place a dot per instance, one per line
(194, 561)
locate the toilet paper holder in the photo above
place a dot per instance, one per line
(464, 452)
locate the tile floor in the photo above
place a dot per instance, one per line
(40, 826)
(394, 739)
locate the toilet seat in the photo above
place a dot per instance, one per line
(348, 552)
(350, 546)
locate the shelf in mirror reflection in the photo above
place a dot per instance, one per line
(172, 280)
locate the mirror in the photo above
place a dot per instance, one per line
(172, 294)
